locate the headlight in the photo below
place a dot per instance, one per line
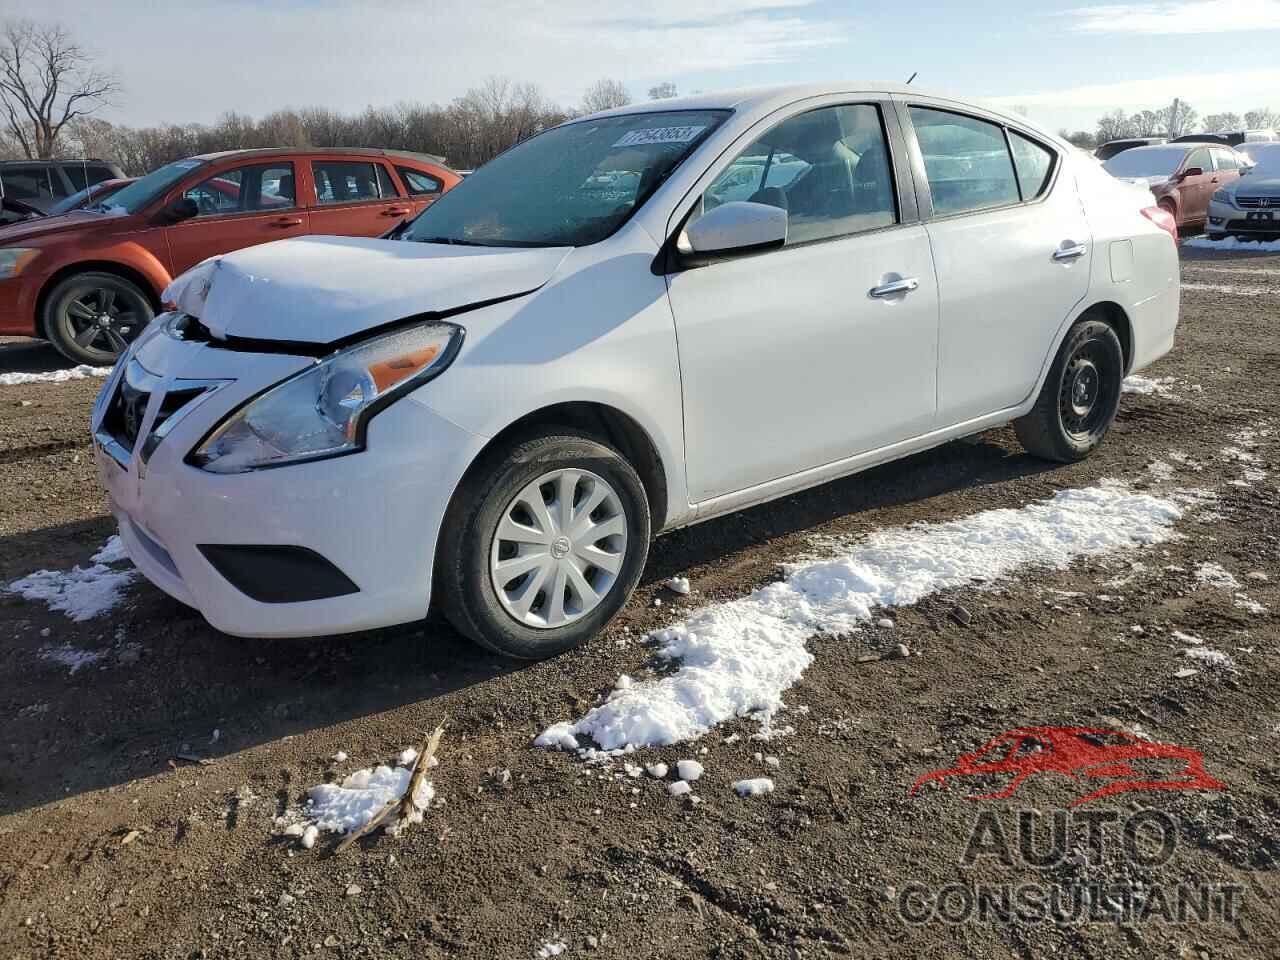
(323, 411)
(13, 259)
(1222, 196)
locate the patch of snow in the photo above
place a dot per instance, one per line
(678, 585)
(341, 808)
(1145, 387)
(1214, 658)
(1234, 243)
(755, 787)
(80, 372)
(1230, 289)
(71, 657)
(737, 658)
(340, 757)
(657, 770)
(1244, 602)
(552, 948)
(1160, 470)
(1215, 575)
(1187, 638)
(82, 593)
(689, 770)
(679, 788)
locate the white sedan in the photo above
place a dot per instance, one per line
(629, 323)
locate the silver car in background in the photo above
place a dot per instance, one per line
(1249, 207)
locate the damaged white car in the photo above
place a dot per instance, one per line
(634, 321)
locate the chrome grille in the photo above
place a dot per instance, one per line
(1258, 203)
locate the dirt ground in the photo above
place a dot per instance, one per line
(107, 849)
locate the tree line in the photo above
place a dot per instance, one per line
(51, 89)
(1176, 120)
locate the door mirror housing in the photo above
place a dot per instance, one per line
(733, 229)
(177, 210)
(1192, 172)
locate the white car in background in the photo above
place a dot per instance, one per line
(1249, 207)
(498, 409)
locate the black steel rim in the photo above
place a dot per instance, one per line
(1085, 395)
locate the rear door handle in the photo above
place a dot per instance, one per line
(395, 212)
(905, 285)
(1072, 252)
(287, 222)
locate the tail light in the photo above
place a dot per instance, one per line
(1163, 219)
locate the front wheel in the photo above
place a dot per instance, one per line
(92, 317)
(1080, 397)
(543, 545)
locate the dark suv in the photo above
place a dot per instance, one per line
(42, 183)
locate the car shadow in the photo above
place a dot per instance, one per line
(158, 681)
(21, 355)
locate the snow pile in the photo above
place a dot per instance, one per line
(1231, 289)
(756, 787)
(82, 593)
(689, 770)
(737, 658)
(678, 585)
(341, 808)
(552, 948)
(71, 657)
(1145, 387)
(1215, 575)
(1234, 243)
(1213, 658)
(81, 372)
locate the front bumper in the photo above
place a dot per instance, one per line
(373, 515)
(1227, 219)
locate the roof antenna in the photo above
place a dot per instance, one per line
(912, 77)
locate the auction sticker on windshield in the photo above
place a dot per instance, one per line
(638, 138)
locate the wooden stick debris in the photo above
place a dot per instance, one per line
(404, 807)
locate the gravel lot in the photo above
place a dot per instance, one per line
(114, 847)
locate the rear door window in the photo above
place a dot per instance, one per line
(419, 183)
(344, 181)
(966, 161)
(1033, 163)
(386, 186)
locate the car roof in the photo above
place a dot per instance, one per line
(327, 151)
(763, 100)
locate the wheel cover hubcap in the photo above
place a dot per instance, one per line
(558, 549)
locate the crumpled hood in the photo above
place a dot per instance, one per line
(322, 289)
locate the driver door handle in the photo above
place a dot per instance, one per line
(905, 285)
(1071, 252)
(287, 222)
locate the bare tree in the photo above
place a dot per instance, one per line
(605, 95)
(1261, 118)
(47, 80)
(663, 91)
(1113, 126)
(1179, 118)
(1215, 122)
(1149, 123)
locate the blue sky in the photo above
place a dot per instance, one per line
(1066, 62)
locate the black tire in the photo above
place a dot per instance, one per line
(1080, 397)
(73, 309)
(463, 584)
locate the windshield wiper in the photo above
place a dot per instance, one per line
(453, 241)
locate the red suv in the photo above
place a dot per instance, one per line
(90, 280)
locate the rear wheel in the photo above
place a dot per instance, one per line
(1079, 399)
(92, 317)
(543, 544)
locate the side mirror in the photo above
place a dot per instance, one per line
(1192, 172)
(175, 211)
(738, 227)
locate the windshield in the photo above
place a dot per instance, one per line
(1265, 159)
(1146, 162)
(570, 186)
(145, 189)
